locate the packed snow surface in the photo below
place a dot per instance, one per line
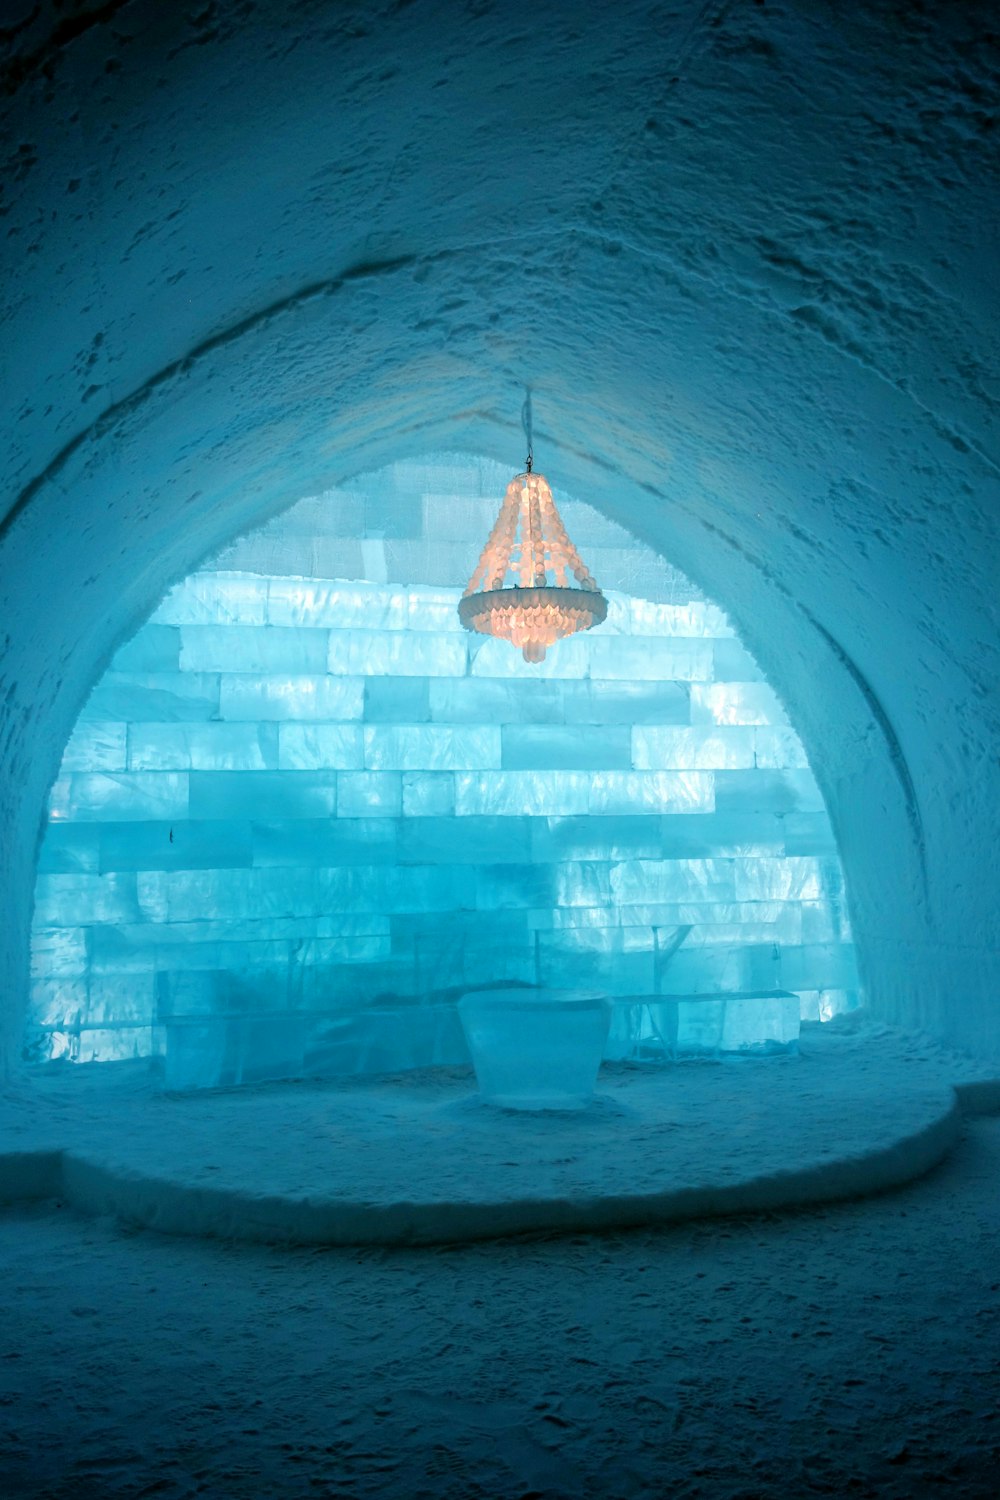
(846, 1349)
(422, 1157)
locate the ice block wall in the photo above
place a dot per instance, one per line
(302, 789)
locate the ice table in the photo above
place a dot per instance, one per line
(536, 1049)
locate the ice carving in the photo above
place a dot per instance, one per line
(536, 1049)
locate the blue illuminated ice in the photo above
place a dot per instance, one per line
(319, 794)
(536, 1049)
(663, 1027)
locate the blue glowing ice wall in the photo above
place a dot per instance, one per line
(303, 811)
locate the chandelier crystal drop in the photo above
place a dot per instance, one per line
(529, 586)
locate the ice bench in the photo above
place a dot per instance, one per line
(658, 1027)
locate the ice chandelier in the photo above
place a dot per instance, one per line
(529, 545)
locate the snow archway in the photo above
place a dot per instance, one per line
(747, 271)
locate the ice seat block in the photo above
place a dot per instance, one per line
(536, 1049)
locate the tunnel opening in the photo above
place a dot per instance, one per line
(303, 811)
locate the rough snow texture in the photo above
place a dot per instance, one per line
(745, 255)
(765, 1355)
(291, 799)
(423, 1158)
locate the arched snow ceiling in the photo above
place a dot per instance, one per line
(743, 252)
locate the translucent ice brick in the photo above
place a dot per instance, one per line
(732, 833)
(692, 748)
(155, 697)
(592, 837)
(692, 619)
(798, 879)
(316, 697)
(57, 952)
(354, 653)
(582, 883)
(808, 833)
(767, 791)
(735, 703)
(369, 794)
(778, 746)
(255, 649)
(698, 1025)
(318, 747)
(614, 792)
(182, 845)
(324, 842)
(113, 1043)
(58, 1002)
(431, 747)
(263, 794)
(202, 747)
(484, 700)
(615, 971)
(510, 885)
(401, 700)
(724, 970)
(129, 794)
(428, 794)
(641, 881)
(637, 659)
(555, 747)
(519, 793)
(760, 1022)
(464, 841)
(337, 606)
(154, 648)
(79, 900)
(120, 1000)
(626, 702)
(215, 599)
(95, 746)
(823, 965)
(70, 849)
(495, 658)
(433, 609)
(733, 662)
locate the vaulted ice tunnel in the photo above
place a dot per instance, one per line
(744, 256)
(304, 811)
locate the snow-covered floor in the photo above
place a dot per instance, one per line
(848, 1349)
(419, 1158)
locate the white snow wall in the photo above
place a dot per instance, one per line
(292, 799)
(744, 254)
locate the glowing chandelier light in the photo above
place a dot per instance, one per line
(521, 590)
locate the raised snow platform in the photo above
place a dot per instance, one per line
(419, 1158)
